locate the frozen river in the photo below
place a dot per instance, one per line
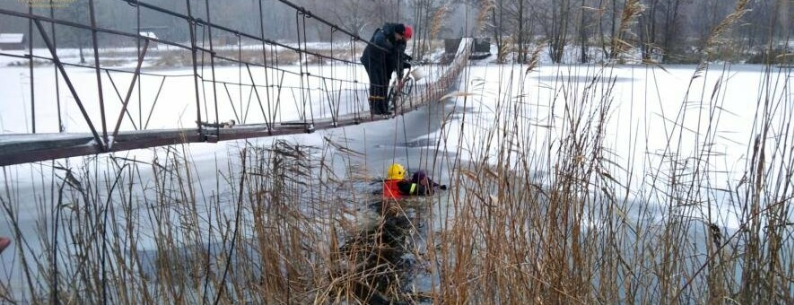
(654, 121)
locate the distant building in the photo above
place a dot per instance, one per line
(12, 41)
(451, 45)
(479, 50)
(149, 34)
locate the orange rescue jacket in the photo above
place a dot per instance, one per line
(391, 189)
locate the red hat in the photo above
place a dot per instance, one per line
(4, 242)
(409, 32)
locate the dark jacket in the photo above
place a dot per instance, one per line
(397, 189)
(408, 188)
(393, 58)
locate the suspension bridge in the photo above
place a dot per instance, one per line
(271, 95)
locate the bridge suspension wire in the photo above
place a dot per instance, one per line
(323, 85)
(332, 25)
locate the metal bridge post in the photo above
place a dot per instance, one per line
(30, 52)
(192, 25)
(212, 68)
(98, 72)
(57, 81)
(271, 114)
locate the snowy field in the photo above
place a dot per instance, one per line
(651, 111)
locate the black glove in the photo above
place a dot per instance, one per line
(443, 187)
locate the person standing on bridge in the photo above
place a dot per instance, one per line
(381, 61)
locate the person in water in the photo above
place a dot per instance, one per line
(398, 186)
(421, 178)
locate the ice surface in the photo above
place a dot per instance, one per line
(640, 125)
(653, 113)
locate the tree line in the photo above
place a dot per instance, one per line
(666, 31)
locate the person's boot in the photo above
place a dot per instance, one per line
(384, 107)
(373, 107)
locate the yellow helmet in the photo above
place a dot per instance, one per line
(395, 172)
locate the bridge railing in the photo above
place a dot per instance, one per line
(267, 87)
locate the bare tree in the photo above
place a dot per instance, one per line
(556, 21)
(524, 28)
(670, 27)
(785, 11)
(647, 28)
(583, 26)
(614, 30)
(77, 12)
(351, 15)
(498, 28)
(424, 12)
(706, 16)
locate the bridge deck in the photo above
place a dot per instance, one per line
(23, 148)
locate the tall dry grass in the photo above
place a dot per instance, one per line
(285, 223)
(566, 224)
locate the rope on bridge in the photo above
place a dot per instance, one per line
(318, 102)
